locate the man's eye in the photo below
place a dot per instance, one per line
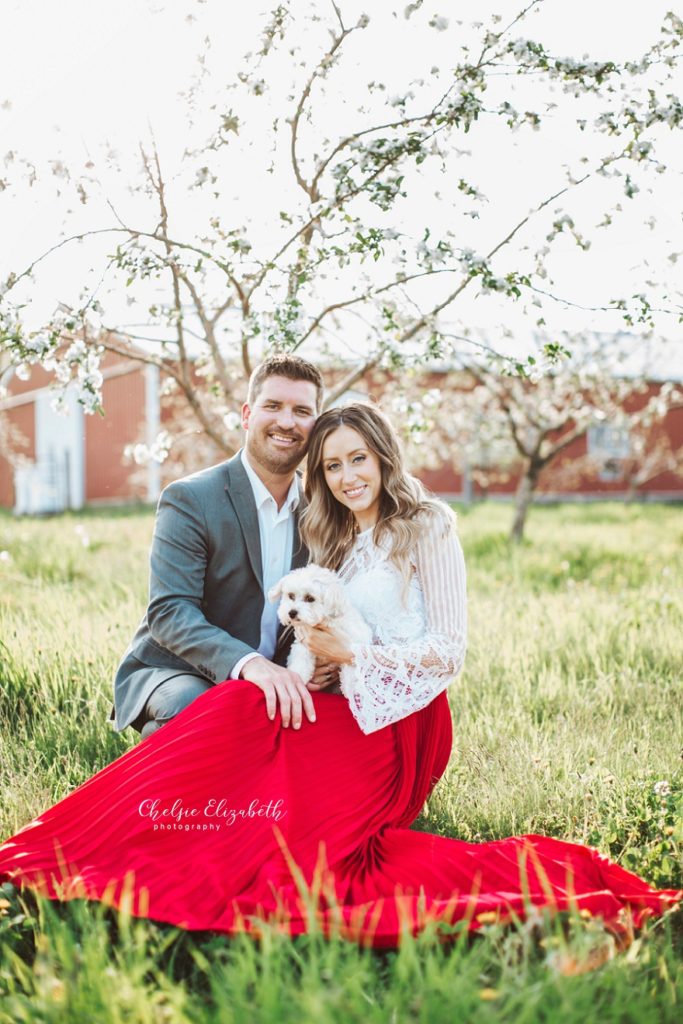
(309, 598)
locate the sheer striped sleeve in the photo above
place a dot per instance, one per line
(394, 678)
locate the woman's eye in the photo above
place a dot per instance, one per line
(359, 458)
(332, 467)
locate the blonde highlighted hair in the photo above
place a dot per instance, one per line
(329, 528)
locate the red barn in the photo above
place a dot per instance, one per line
(57, 462)
(67, 461)
(601, 464)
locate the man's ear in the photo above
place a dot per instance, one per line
(246, 412)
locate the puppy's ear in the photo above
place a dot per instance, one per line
(275, 592)
(325, 577)
(336, 599)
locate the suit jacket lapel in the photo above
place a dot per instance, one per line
(241, 497)
(299, 550)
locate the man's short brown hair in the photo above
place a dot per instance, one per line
(292, 367)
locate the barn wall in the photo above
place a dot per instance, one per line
(22, 417)
(106, 476)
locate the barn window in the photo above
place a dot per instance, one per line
(609, 446)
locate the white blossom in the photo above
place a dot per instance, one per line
(232, 420)
(142, 454)
(161, 446)
(434, 255)
(82, 534)
(37, 346)
(431, 398)
(139, 453)
(62, 373)
(76, 351)
(58, 404)
(661, 788)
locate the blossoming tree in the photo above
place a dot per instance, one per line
(490, 419)
(364, 227)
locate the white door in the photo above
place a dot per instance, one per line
(56, 480)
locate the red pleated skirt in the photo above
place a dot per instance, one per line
(224, 820)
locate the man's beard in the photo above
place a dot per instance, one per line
(280, 463)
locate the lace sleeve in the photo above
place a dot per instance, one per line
(391, 680)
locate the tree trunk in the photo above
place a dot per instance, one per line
(523, 499)
(466, 482)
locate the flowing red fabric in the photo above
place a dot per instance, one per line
(224, 819)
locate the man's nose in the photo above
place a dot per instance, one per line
(286, 418)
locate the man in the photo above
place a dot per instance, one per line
(222, 538)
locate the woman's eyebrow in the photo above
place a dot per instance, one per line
(332, 458)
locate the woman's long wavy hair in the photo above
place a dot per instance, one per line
(329, 528)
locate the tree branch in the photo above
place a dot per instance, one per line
(351, 378)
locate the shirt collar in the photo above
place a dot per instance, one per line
(261, 492)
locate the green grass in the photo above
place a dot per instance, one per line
(569, 711)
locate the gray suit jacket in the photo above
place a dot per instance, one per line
(206, 586)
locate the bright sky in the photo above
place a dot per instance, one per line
(80, 77)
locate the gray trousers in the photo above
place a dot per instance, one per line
(168, 699)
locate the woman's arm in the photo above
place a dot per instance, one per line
(388, 682)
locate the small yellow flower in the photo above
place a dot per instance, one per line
(57, 990)
(487, 917)
(585, 913)
(488, 994)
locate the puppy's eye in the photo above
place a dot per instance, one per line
(309, 598)
(290, 596)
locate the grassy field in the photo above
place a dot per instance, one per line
(569, 713)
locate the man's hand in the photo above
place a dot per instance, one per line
(326, 674)
(279, 685)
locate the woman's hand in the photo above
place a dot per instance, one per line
(326, 676)
(325, 644)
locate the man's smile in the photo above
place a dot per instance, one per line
(286, 439)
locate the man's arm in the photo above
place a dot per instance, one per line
(178, 565)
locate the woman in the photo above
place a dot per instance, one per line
(224, 819)
(398, 554)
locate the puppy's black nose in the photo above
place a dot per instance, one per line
(293, 613)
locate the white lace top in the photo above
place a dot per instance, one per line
(419, 641)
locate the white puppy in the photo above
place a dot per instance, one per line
(315, 597)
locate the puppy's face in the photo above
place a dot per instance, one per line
(309, 596)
